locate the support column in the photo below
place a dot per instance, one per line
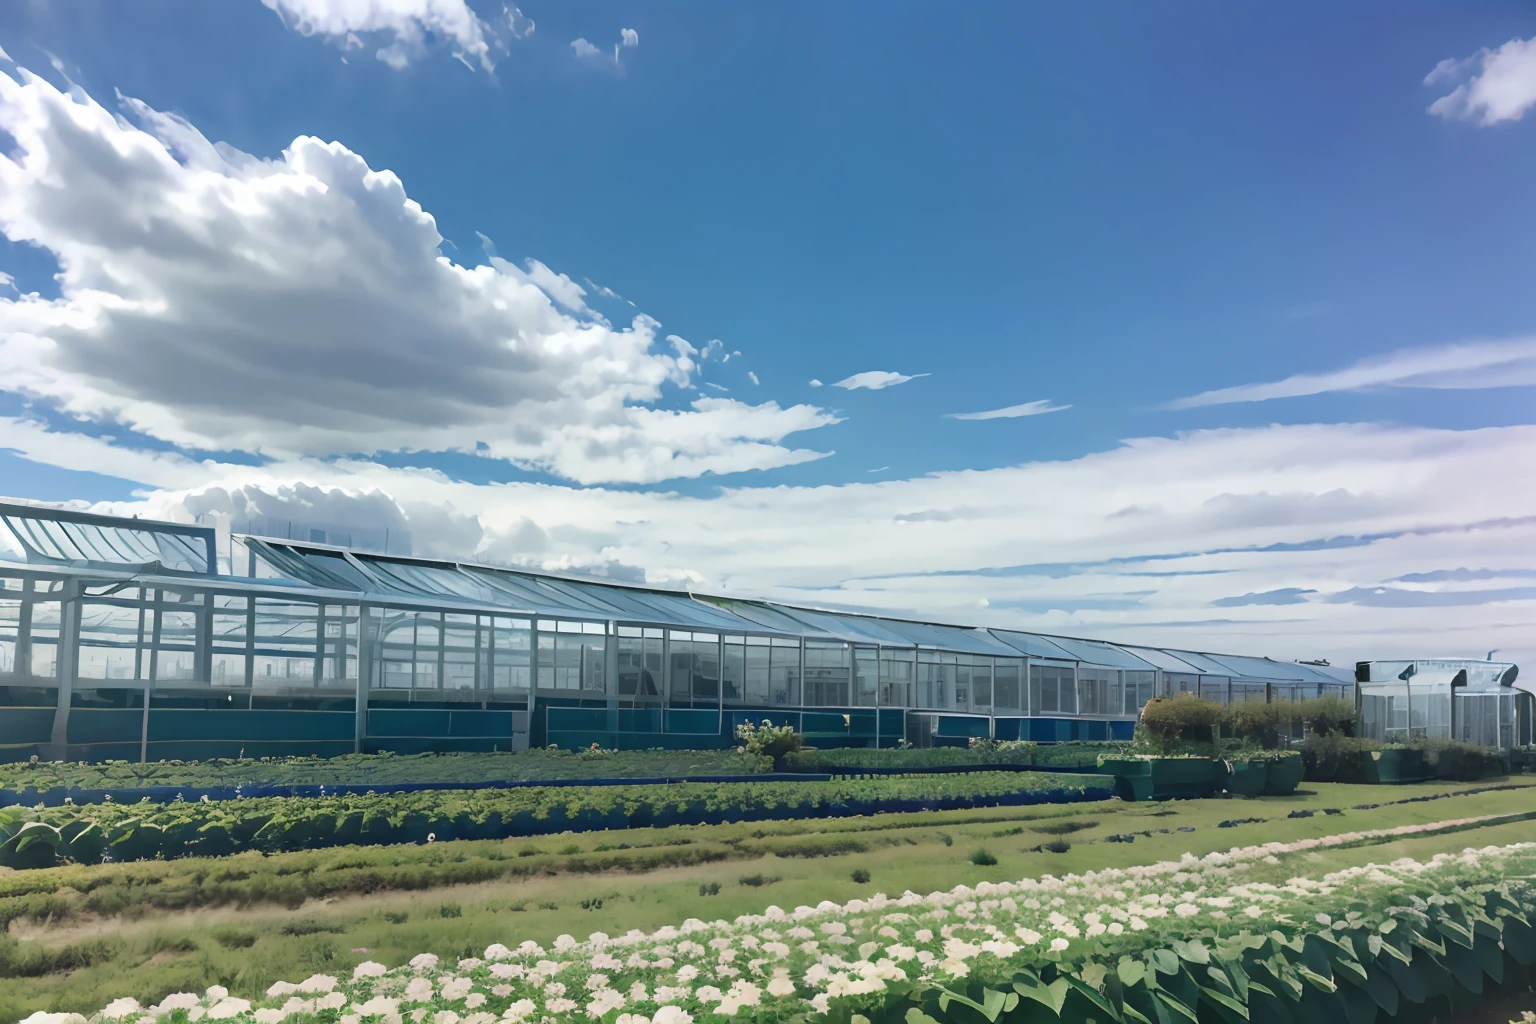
(64, 666)
(365, 655)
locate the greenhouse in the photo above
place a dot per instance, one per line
(1444, 699)
(138, 640)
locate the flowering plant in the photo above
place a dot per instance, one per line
(1227, 929)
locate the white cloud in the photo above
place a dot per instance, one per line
(753, 377)
(1335, 510)
(405, 27)
(1492, 85)
(815, 383)
(588, 52)
(875, 380)
(1472, 365)
(1039, 407)
(300, 305)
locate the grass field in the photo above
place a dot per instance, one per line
(79, 936)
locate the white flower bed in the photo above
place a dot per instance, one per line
(773, 965)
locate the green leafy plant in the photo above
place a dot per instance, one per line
(861, 876)
(981, 857)
(767, 739)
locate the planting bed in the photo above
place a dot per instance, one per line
(382, 769)
(1231, 936)
(40, 837)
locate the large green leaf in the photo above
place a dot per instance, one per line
(1359, 1006)
(1465, 968)
(1520, 941)
(1409, 981)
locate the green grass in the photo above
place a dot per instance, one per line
(80, 936)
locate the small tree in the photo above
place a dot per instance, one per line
(1169, 722)
(1328, 716)
(768, 740)
(1262, 723)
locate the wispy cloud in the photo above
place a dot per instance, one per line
(815, 383)
(1283, 596)
(1490, 364)
(1039, 407)
(753, 377)
(1491, 85)
(405, 27)
(875, 380)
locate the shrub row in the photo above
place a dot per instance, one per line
(1350, 759)
(1014, 753)
(383, 769)
(40, 837)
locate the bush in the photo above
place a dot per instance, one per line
(1268, 725)
(768, 740)
(1057, 846)
(1334, 757)
(1328, 716)
(1169, 724)
(982, 858)
(861, 876)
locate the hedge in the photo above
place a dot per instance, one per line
(1226, 938)
(1017, 753)
(41, 837)
(383, 769)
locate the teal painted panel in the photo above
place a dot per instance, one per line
(101, 725)
(386, 722)
(26, 725)
(179, 725)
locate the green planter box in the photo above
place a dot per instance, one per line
(1133, 776)
(1186, 776)
(1247, 778)
(1284, 776)
(1392, 766)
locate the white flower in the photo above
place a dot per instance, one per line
(781, 986)
(445, 1017)
(709, 994)
(474, 1000)
(117, 1009)
(424, 961)
(317, 983)
(378, 1006)
(418, 991)
(519, 1010)
(227, 1008)
(331, 1001)
(1028, 936)
(560, 1005)
(369, 969)
(501, 991)
(496, 951)
(268, 1015)
(672, 1015)
(603, 1001)
(1057, 945)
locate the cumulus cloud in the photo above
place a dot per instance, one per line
(300, 305)
(1491, 86)
(405, 27)
(1039, 407)
(1235, 528)
(1487, 364)
(590, 53)
(875, 380)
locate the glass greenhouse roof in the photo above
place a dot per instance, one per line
(83, 542)
(59, 537)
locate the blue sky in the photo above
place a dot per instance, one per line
(1106, 210)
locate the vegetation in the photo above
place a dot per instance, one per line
(1170, 724)
(1019, 753)
(89, 834)
(768, 740)
(81, 935)
(383, 769)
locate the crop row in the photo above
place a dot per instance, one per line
(1226, 938)
(43, 836)
(1013, 753)
(382, 769)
